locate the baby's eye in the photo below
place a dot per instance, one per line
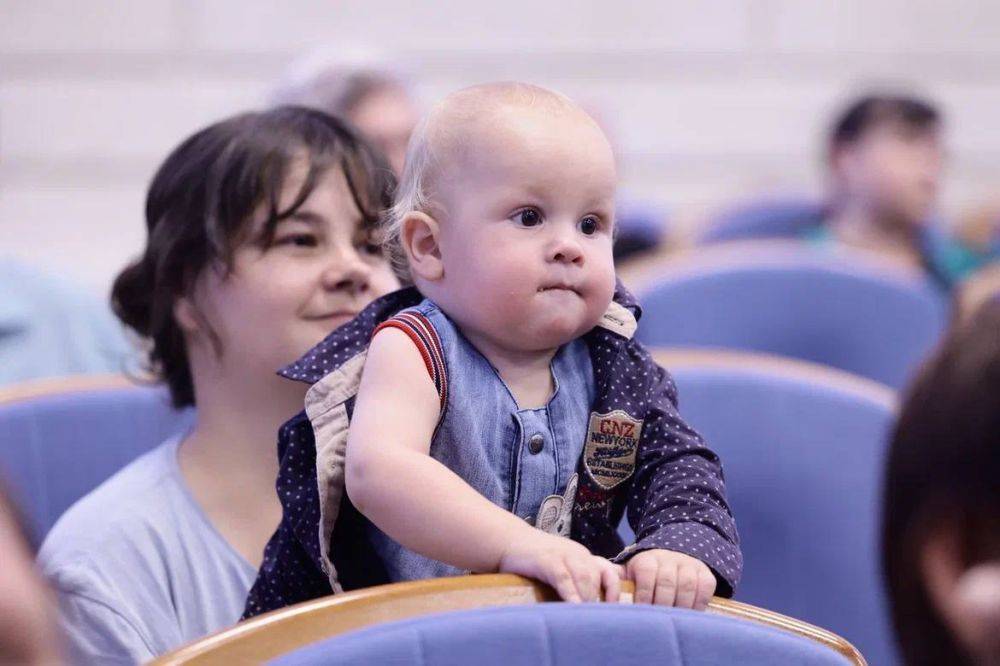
(529, 217)
(370, 248)
(590, 225)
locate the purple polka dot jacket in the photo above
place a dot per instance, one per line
(639, 456)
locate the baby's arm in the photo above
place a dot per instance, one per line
(392, 479)
(678, 508)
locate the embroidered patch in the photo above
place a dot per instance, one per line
(555, 515)
(612, 442)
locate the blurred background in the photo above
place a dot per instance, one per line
(708, 102)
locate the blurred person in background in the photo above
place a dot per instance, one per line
(372, 96)
(978, 289)
(50, 328)
(260, 243)
(980, 232)
(27, 620)
(941, 520)
(885, 159)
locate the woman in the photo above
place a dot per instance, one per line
(941, 522)
(259, 244)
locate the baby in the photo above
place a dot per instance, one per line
(503, 404)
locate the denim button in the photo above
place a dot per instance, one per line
(536, 443)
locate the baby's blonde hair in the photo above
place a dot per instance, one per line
(442, 134)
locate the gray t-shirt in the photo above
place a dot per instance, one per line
(139, 569)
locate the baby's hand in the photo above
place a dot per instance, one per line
(667, 578)
(565, 565)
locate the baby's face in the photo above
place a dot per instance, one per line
(526, 229)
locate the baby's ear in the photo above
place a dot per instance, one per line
(419, 236)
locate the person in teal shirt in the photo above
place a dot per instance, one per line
(885, 159)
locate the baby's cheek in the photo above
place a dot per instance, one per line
(607, 282)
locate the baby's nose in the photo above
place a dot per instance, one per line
(566, 251)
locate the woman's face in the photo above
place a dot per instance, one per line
(280, 300)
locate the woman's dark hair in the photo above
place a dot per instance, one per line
(200, 206)
(865, 113)
(942, 473)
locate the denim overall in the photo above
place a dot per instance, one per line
(516, 458)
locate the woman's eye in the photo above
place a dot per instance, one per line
(590, 226)
(297, 240)
(529, 217)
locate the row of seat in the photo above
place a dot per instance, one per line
(844, 309)
(801, 445)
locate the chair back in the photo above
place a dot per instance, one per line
(281, 632)
(567, 635)
(770, 217)
(839, 309)
(802, 449)
(61, 439)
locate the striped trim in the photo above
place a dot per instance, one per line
(422, 334)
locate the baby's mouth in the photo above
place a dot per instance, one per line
(557, 287)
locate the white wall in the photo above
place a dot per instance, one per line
(708, 99)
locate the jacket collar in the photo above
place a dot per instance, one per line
(342, 344)
(622, 315)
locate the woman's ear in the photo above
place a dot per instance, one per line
(419, 235)
(186, 315)
(196, 328)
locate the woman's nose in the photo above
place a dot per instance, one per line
(346, 270)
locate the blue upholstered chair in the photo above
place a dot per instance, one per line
(770, 217)
(802, 448)
(567, 635)
(61, 439)
(839, 309)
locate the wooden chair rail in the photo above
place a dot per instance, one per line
(279, 632)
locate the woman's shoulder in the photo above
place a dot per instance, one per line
(136, 564)
(133, 495)
(142, 520)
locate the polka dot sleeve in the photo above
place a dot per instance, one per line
(677, 500)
